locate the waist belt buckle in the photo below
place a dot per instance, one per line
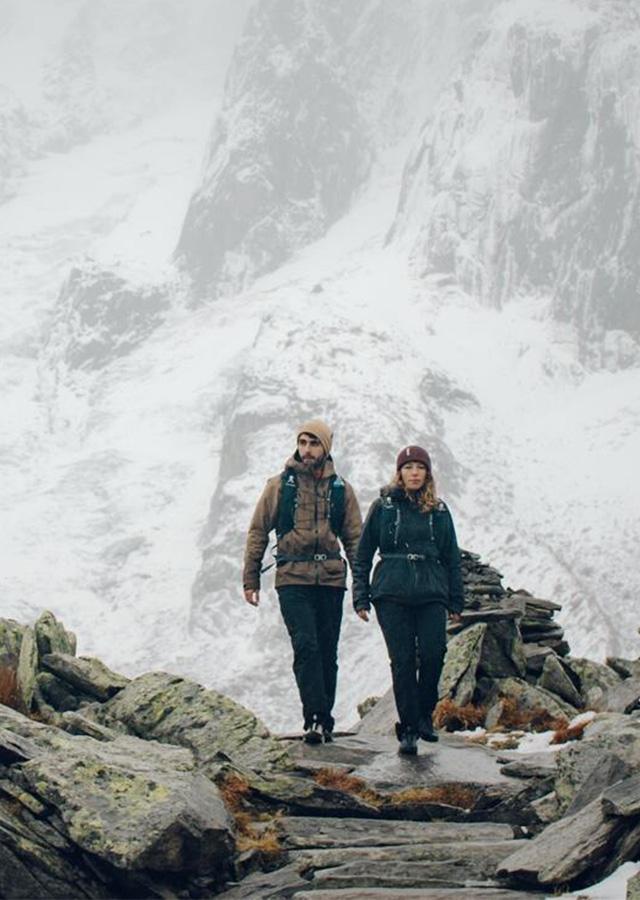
(414, 556)
(319, 557)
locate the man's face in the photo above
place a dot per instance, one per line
(310, 450)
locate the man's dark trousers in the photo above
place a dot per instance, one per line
(411, 630)
(313, 615)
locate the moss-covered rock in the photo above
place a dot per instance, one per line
(555, 678)
(458, 679)
(610, 739)
(52, 636)
(163, 707)
(529, 700)
(595, 681)
(27, 669)
(86, 674)
(134, 804)
(11, 633)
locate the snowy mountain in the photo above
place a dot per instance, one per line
(416, 220)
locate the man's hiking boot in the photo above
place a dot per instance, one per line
(427, 732)
(408, 740)
(313, 734)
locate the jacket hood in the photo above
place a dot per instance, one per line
(393, 491)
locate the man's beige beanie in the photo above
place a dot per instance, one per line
(318, 429)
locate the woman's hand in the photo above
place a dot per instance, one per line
(455, 618)
(364, 614)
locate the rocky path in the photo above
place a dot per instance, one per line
(437, 825)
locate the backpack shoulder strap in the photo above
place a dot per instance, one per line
(287, 503)
(337, 504)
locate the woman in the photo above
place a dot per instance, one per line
(416, 582)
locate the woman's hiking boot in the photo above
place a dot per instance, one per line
(408, 740)
(426, 730)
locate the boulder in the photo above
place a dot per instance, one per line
(381, 718)
(86, 674)
(633, 887)
(547, 807)
(555, 679)
(163, 707)
(11, 633)
(608, 769)
(52, 637)
(610, 746)
(131, 803)
(528, 699)
(55, 692)
(535, 656)
(565, 849)
(529, 765)
(27, 669)
(502, 653)
(623, 697)
(458, 679)
(623, 798)
(595, 680)
(625, 668)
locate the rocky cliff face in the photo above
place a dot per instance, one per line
(287, 152)
(314, 91)
(525, 177)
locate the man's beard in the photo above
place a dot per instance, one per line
(314, 463)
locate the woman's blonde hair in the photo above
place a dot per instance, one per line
(426, 498)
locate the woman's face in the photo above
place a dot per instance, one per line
(413, 475)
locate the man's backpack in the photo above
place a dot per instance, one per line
(289, 501)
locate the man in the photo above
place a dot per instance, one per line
(310, 508)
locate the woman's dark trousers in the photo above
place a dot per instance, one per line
(313, 615)
(416, 640)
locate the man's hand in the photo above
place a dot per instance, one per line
(252, 596)
(364, 614)
(455, 618)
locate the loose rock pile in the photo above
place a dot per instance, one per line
(508, 649)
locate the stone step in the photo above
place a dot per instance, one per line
(317, 833)
(479, 860)
(455, 872)
(364, 893)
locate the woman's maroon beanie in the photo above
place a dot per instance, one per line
(413, 454)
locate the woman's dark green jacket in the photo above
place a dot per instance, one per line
(420, 559)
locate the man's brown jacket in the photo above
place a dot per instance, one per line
(311, 533)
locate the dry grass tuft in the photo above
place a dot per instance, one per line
(569, 732)
(253, 832)
(513, 717)
(9, 688)
(234, 790)
(338, 780)
(452, 717)
(460, 795)
(266, 843)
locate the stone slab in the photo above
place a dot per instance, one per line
(565, 849)
(367, 893)
(315, 832)
(479, 858)
(406, 874)
(623, 798)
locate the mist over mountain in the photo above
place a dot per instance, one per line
(416, 220)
